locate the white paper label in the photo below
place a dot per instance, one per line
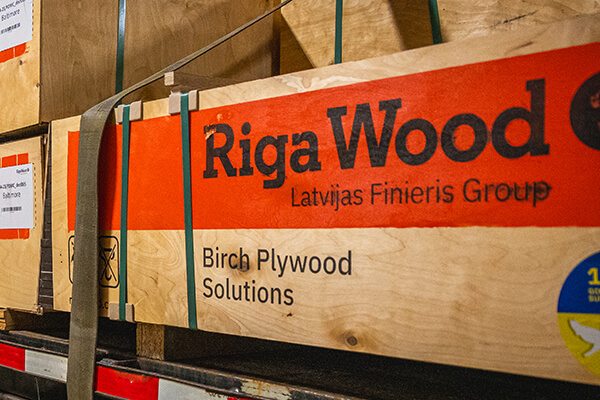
(16, 22)
(16, 197)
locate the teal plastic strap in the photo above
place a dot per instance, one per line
(121, 46)
(187, 204)
(339, 12)
(124, 197)
(434, 16)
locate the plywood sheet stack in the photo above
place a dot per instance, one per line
(22, 184)
(429, 204)
(378, 27)
(66, 62)
(57, 60)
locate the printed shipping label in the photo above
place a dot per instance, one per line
(16, 22)
(16, 197)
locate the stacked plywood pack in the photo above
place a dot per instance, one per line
(57, 60)
(430, 204)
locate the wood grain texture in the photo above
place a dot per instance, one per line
(460, 19)
(20, 258)
(376, 27)
(369, 29)
(476, 297)
(170, 343)
(160, 32)
(78, 56)
(70, 65)
(60, 233)
(19, 83)
(538, 38)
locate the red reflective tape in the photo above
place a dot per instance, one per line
(126, 385)
(12, 357)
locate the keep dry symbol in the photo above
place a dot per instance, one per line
(108, 261)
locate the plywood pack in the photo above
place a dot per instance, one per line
(378, 27)
(21, 222)
(428, 204)
(63, 58)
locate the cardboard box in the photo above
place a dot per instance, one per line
(63, 59)
(429, 204)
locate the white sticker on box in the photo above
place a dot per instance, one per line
(16, 197)
(16, 22)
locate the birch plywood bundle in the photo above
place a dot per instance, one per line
(377, 27)
(446, 234)
(461, 19)
(21, 222)
(70, 61)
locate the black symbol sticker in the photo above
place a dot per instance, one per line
(585, 112)
(108, 256)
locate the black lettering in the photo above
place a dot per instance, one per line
(246, 169)
(363, 120)
(535, 118)
(278, 165)
(312, 152)
(207, 286)
(289, 300)
(430, 141)
(208, 253)
(220, 152)
(448, 137)
(467, 188)
(263, 256)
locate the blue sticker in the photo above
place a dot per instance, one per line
(581, 290)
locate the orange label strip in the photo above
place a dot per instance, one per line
(502, 143)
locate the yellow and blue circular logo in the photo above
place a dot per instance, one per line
(579, 312)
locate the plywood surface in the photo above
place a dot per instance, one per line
(20, 258)
(70, 65)
(461, 19)
(369, 29)
(78, 56)
(19, 83)
(159, 32)
(482, 297)
(376, 27)
(499, 45)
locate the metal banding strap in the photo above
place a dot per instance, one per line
(84, 309)
(339, 13)
(187, 206)
(124, 197)
(434, 16)
(121, 46)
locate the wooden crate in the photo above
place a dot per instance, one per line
(20, 250)
(69, 64)
(444, 273)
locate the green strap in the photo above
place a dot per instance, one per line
(434, 16)
(187, 205)
(339, 11)
(124, 197)
(121, 46)
(83, 332)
